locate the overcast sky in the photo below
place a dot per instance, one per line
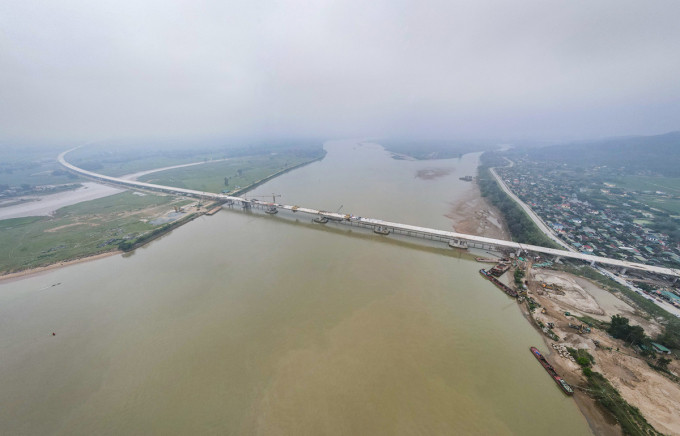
(92, 70)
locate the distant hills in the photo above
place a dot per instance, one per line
(653, 155)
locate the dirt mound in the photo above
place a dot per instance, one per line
(572, 294)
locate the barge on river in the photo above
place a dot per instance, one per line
(548, 367)
(382, 230)
(502, 286)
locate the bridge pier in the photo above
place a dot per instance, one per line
(404, 229)
(457, 243)
(623, 271)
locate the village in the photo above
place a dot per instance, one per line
(598, 217)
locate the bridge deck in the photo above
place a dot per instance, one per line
(402, 228)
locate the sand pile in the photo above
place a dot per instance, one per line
(572, 295)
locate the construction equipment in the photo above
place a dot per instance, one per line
(580, 328)
(274, 197)
(272, 206)
(267, 196)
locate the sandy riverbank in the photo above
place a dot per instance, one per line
(42, 269)
(656, 396)
(474, 215)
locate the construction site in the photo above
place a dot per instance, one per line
(570, 312)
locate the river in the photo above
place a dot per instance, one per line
(43, 205)
(242, 323)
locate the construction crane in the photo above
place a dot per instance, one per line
(267, 196)
(272, 206)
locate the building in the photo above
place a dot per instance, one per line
(660, 348)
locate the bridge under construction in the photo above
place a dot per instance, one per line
(454, 239)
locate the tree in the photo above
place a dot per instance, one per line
(663, 362)
(620, 328)
(636, 335)
(583, 361)
(519, 275)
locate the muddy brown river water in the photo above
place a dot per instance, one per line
(242, 323)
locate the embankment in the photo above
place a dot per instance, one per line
(521, 227)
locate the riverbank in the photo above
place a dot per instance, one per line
(641, 386)
(600, 422)
(331, 322)
(475, 215)
(257, 183)
(520, 225)
(42, 269)
(116, 244)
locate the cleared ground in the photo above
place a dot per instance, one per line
(657, 396)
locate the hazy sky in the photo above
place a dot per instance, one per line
(92, 70)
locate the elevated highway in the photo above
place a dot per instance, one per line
(455, 239)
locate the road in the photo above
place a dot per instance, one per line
(535, 218)
(403, 228)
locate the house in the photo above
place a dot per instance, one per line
(660, 348)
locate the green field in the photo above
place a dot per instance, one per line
(670, 185)
(104, 224)
(638, 184)
(116, 169)
(240, 172)
(116, 159)
(80, 230)
(668, 204)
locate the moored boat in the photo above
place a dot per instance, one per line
(550, 370)
(502, 286)
(382, 230)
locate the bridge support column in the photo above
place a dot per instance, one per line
(458, 243)
(592, 263)
(557, 259)
(623, 271)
